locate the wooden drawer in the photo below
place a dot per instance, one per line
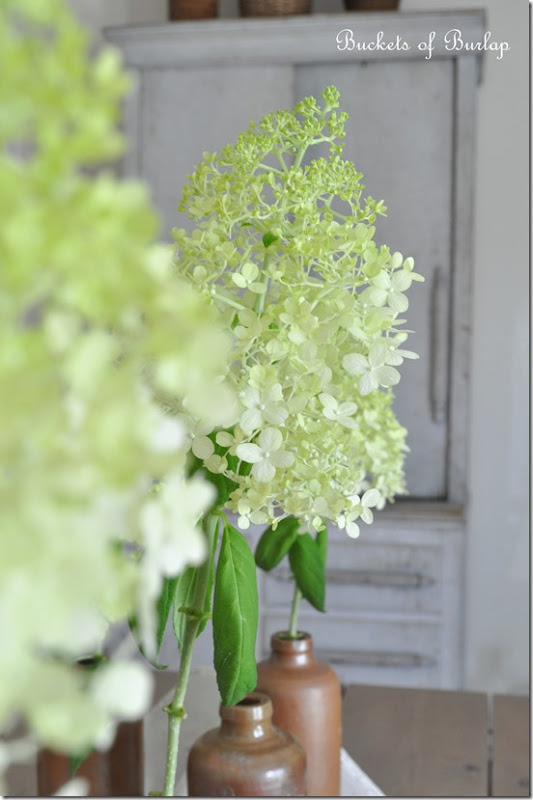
(392, 599)
(365, 576)
(396, 651)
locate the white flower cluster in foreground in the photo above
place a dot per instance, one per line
(285, 249)
(96, 333)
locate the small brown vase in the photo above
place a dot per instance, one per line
(273, 8)
(192, 9)
(307, 700)
(247, 756)
(371, 5)
(117, 772)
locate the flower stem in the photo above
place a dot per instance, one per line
(227, 300)
(293, 624)
(175, 710)
(260, 300)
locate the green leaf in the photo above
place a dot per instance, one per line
(274, 544)
(322, 544)
(134, 628)
(164, 604)
(308, 568)
(224, 486)
(75, 762)
(269, 238)
(235, 610)
(183, 596)
(210, 581)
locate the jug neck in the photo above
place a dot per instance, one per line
(292, 652)
(249, 719)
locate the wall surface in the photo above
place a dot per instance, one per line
(497, 558)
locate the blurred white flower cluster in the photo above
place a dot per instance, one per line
(98, 334)
(284, 247)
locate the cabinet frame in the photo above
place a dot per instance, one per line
(313, 40)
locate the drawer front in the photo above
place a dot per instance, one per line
(401, 652)
(364, 576)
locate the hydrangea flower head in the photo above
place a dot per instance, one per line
(99, 337)
(283, 246)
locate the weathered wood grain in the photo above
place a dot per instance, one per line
(416, 743)
(510, 771)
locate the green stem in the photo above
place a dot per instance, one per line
(293, 624)
(227, 300)
(260, 300)
(175, 710)
(299, 157)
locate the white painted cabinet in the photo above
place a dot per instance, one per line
(394, 597)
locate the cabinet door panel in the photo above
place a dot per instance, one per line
(399, 136)
(185, 112)
(365, 576)
(394, 650)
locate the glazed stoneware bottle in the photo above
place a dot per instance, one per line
(247, 756)
(307, 700)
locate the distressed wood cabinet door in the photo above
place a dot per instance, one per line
(411, 132)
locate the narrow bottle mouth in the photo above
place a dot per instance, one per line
(254, 707)
(281, 642)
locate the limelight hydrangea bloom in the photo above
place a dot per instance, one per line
(98, 337)
(284, 247)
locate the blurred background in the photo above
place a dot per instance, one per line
(466, 523)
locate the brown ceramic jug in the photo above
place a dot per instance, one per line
(117, 772)
(307, 700)
(247, 756)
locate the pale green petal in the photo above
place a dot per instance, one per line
(375, 296)
(238, 279)
(224, 439)
(124, 689)
(368, 383)
(347, 409)
(382, 280)
(348, 422)
(328, 401)
(259, 518)
(352, 529)
(75, 787)
(387, 376)
(371, 497)
(398, 302)
(263, 471)
(276, 415)
(401, 281)
(270, 439)
(396, 260)
(280, 458)
(394, 358)
(355, 363)
(378, 353)
(250, 453)
(250, 271)
(251, 397)
(250, 420)
(257, 288)
(216, 464)
(274, 393)
(407, 354)
(367, 516)
(202, 447)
